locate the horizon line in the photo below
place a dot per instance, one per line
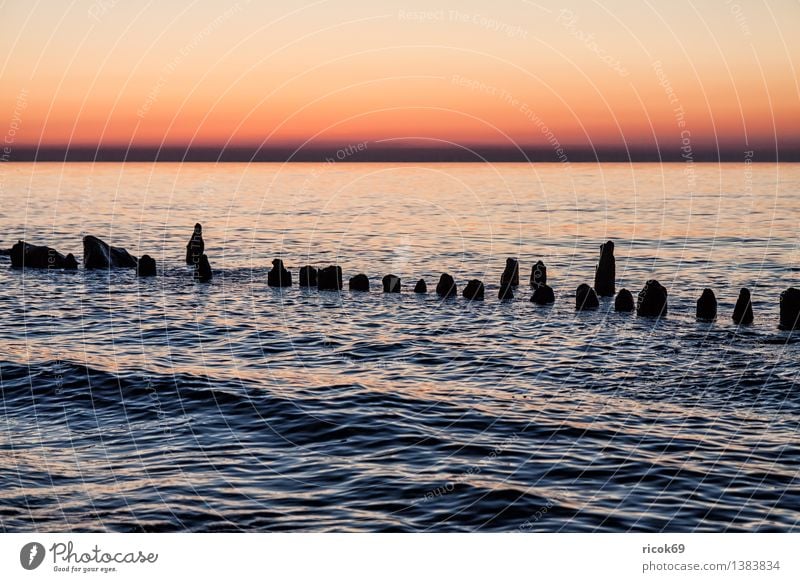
(367, 151)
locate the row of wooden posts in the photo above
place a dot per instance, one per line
(651, 301)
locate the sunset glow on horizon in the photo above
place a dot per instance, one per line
(720, 74)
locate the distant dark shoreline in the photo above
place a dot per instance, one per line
(379, 153)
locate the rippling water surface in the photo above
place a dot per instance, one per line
(165, 404)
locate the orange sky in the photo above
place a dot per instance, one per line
(149, 73)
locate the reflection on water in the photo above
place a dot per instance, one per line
(168, 405)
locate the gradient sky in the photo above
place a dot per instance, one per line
(210, 73)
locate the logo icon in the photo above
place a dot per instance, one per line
(31, 555)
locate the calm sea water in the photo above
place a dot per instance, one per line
(165, 404)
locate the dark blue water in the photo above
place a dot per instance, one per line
(167, 405)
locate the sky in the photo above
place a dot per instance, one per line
(510, 73)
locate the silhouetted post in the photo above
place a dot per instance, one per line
(624, 301)
(652, 300)
(330, 278)
(446, 287)
(359, 283)
(707, 306)
(790, 309)
(195, 247)
(278, 275)
(202, 270)
(606, 272)
(538, 274)
(743, 310)
(474, 290)
(421, 287)
(543, 295)
(308, 276)
(506, 292)
(27, 256)
(146, 266)
(586, 298)
(511, 273)
(17, 255)
(100, 255)
(391, 284)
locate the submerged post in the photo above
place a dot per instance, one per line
(743, 310)
(652, 300)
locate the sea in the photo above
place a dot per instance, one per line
(164, 404)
